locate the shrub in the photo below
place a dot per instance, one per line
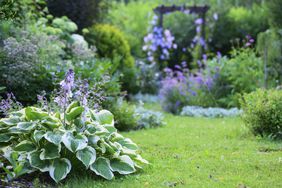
(111, 43)
(263, 112)
(124, 114)
(181, 87)
(242, 73)
(29, 63)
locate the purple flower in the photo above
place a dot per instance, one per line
(199, 21)
(66, 89)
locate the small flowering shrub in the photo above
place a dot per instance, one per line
(180, 88)
(263, 112)
(71, 138)
(197, 111)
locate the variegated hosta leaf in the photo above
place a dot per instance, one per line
(123, 165)
(104, 117)
(38, 135)
(25, 146)
(59, 169)
(74, 143)
(5, 137)
(53, 137)
(27, 126)
(74, 113)
(36, 162)
(50, 151)
(139, 159)
(33, 114)
(10, 121)
(128, 144)
(102, 168)
(87, 156)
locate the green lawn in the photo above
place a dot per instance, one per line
(199, 152)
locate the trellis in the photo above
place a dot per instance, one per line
(200, 10)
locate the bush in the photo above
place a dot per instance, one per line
(124, 114)
(263, 112)
(29, 63)
(242, 73)
(180, 88)
(111, 43)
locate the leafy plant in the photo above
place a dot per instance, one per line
(263, 112)
(69, 137)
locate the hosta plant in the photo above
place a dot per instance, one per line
(35, 140)
(72, 138)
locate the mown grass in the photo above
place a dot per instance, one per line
(199, 152)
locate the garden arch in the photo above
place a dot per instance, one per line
(200, 10)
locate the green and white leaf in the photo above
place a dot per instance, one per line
(74, 143)
(128, 144)
(54, 138)
(87, 156)
(50, 151)
(59, 169)
(102, 168)
(38, 135)
(25, 146)
(36, 162)
(5, 137)
(123, 165)
(104, 117)
(27, 126)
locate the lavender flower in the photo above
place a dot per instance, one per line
(66, 90)
(10, 103)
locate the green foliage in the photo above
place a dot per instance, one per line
(21, 10)
(36, 140)
(263, 112)
(124, 114)
(28, 60)
(235, 24)
(111, 43)
(274, 7)
(242, 73)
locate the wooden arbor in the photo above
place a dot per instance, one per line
(200, 10)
